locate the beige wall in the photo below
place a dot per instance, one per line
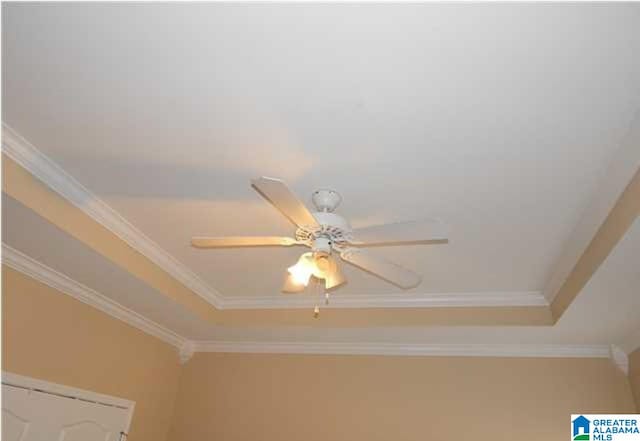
(247, 397)
(51, 336)
(237, 397)
(634, 376)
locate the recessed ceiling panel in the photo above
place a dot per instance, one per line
(498, 118)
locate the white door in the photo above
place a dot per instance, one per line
(31, 415)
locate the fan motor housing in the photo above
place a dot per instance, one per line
(322, 246)
(331, 230)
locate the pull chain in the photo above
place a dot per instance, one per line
(316, 310)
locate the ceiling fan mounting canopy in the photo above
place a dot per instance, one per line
(326, 200)
(325, 231)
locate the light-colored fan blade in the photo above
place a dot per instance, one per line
(277, 192)
(418, 231)
(290, 286)
(241, 241)
(335, 276)
(389, 271)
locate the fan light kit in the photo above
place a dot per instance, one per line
(327, 233)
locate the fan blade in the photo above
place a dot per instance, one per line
(334, 277)
(389, 271)
(276, 192)
(241, 241)
(290, 285)
(418, 231)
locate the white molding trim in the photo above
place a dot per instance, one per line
(395, 349)
(619, 358)
(58, 281)
(394, 300)
(54, 176)
(21, 381)
(186, 351)
(613, 181)
(187, 348)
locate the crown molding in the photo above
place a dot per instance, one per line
(55, 177)
(394, 349)
(619, 359)
(186, 351)
(394, 300)
(187, 348)
(613, 182)
(38, 271)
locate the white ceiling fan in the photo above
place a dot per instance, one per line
(325, 232)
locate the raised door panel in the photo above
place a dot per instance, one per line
(15, 421)
(53, 417)
(85, 430)
(14, 428)
(79, 420)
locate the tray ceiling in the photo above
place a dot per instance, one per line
(456, 111)
(469, 113)
(608, 304)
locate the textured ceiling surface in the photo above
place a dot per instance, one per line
(499, 119)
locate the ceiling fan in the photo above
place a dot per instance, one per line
(327, 233)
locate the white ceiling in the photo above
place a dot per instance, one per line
(605, 312)
(498, 118)
(466, 112)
